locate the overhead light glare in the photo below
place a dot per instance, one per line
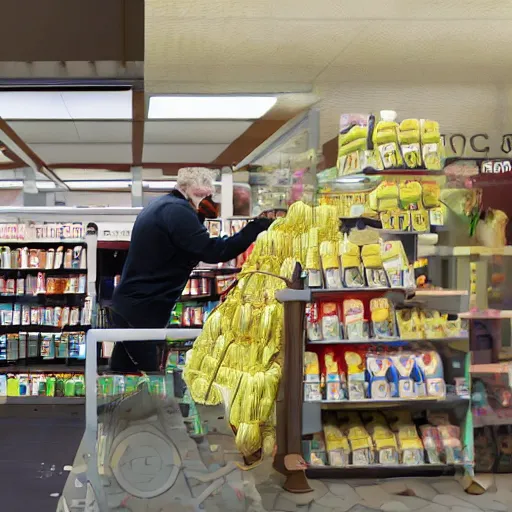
(65, 105)
(209, 107)
(99, 185)
(10, 184)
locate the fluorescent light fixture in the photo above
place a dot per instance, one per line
(351, 179)
(99, 185)
(209, 107)
(65, 105)
(158, 185)
(45, 185)
(11, 184)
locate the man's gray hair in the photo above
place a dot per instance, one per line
(192, 177)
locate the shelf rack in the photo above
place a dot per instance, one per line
(296, 417)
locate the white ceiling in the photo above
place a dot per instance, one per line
(450, 61)
(58, 142)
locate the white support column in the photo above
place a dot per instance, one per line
(226, 181)
(31, 196)
(137, 192)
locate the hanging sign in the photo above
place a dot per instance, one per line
(115, 231)
(496, 167)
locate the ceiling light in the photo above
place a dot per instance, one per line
(209, 107)
(99, 185)
(45, 185)
(65, 105)
(159, 185)
(11, 184)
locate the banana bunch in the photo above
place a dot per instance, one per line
(235, 360)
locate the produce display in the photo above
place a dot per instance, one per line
(235, 359)
(390, 438)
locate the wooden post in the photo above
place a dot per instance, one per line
(288, 459)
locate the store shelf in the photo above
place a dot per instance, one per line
(41, 400)
(50, 368)
(388, 341)
(317, 294)
(447, 301)
(67, 241)
(383, 471)
(498, 418)
(492, 368)
(55, 271)
(370, 171)
(447, 251)
(6, 329)
(489, 314)
(394, 403)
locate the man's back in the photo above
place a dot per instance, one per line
(156, 271)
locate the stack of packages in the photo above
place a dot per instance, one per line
(386, 144)
(235, 360)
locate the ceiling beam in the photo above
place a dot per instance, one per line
(138, 117)
(255, 135)
(24, 152)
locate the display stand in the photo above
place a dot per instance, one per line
(300, 418)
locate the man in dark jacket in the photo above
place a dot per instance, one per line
(168, 240)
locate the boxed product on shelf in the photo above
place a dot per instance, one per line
(384, 144)
(25, 258)
(337, 373)
(49, 316)
(198, 287)
(62, 345)
(391, 438)
(65, 384)
(190, 314)
(41, 284)
(370, 319)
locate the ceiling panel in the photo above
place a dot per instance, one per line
(84, 153)
(426, 52)
(258, 51)
(104, 131)
(200, 132)
(45, 131)
(197, 153)
(330, 9)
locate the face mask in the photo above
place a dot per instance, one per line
(208, 208)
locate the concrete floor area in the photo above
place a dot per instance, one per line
(36, 443)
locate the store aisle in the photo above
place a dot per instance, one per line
(33, 440)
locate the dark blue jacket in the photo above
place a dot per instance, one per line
(168, 241)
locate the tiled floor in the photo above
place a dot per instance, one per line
(207, 478)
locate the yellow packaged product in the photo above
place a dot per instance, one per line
(383, 438)
(410, 194)
(359, 440)
(408, 440)
(420, 220)
(431, 194)
(385, 138)
(432, 148)
(337, 446)
(384, 197)
(409, 137)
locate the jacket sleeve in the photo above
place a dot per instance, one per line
(188, 234)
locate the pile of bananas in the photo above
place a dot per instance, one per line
(235, 360)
